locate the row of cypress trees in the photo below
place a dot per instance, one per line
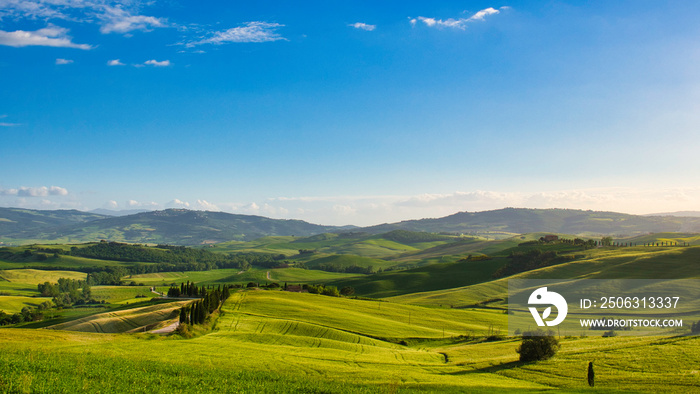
(198, 311)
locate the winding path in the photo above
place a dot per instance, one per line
(167, 329)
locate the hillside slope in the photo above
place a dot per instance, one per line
(278, 342)
(171, 226)
(570, 221)
(605, 263)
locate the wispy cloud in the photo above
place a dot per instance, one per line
(206, 205)
(115, 62)
(114, 16)
(370, 210)
(119, 20)
(51, 36)
(363, 26)
(60, 61)
(42, 191)
(155, 63)
(7, 124)
(250, 32)
(460, 23)
(177, 203)
(137, 204)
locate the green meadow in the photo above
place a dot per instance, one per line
(272, 341)
(235, 276)
(439, 326)
(604, 263)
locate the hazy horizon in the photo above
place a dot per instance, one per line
(125, 212)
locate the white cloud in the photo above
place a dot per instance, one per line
(115, 62)
(111, 205)
(250, 32)
(156, 63)
(60, 61)
(6, 124)
(33, 9)
(8, 192)
(428, 21)
(176, 203)
(206, 205)
(51, 36)
(43, 191)
(138, 204)
(483, 13)
(114, 16)
(363, 26)
(58, 191)
(460, 23)
(119, 20)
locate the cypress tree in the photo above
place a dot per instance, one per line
(183, 315)
(201, 314)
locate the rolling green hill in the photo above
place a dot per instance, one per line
(679, 238)
(430, 277)
(185, 227)
(129, 320)
(354, 243)
(272, 341)
(171, 226)
(570, 221)
(604, 263)
(235, 276)
(28, 223)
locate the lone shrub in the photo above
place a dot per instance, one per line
(537, 345)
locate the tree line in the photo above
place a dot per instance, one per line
(67, 292)
(198, 311)
(350, 269)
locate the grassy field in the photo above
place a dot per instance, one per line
(348, 260)
(63, 262)
(679, 238)
(430, 277)
(234, 276)
(18, 288)
(119, 295)
(34, 277)
(271, 341)
(14, 304)
(138, 319)
(360, 244)
(281, 342)
(603, 263)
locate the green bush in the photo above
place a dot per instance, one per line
(537, 345)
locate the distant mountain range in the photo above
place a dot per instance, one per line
(692, 214)
(123, 212)
(171, 226)
(568, 221)
(186, 227)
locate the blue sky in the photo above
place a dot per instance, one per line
(350, 112)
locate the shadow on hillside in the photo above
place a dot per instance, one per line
(490, 368)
